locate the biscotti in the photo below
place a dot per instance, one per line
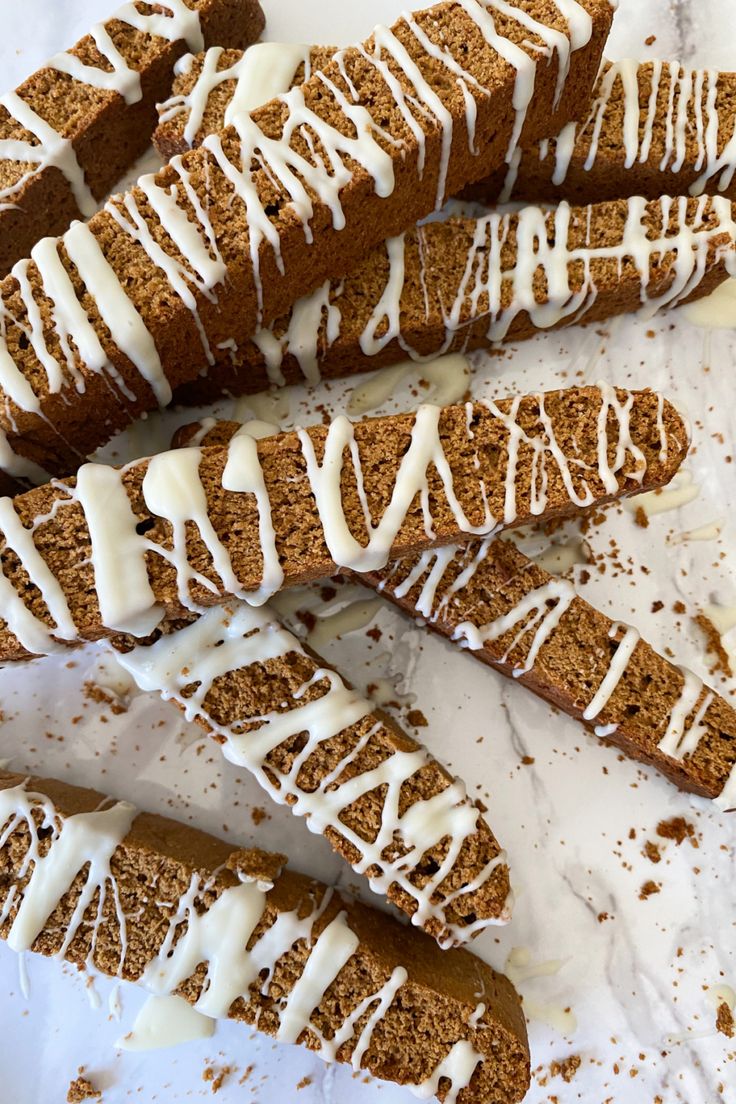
(120, 550)
(152, 901)
(102, 324)
(512, 615)
(210, 86)
(654, 128)
(529, 625)
(390, 809)
(472, 283)
(70, 131)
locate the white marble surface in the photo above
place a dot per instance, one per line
(638, 983)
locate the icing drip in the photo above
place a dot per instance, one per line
(266, 70)
(458, 1067)
(616, 669)
(691, 112)
(122, 79)
(165, 1022)
(180, 22)
(82, 840)
(678, 741)
(220, 643)
(50, 150)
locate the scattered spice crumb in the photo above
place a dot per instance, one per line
(714, 646)
(725, 1020)
(81, 1089)
(305, 1081)
(648, 890)
(99, 694)
(657, 606)
(528, 760)
(677, 829)
(258, 815)
(566, 1069)
(652, 852)
(416, 718)
(650, 40)
(641, 518)
(216, 1080)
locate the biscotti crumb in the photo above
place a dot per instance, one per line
(304, 1083)
(677, 829)
(651, 851)
(567, 1068)
(81, 1089)
(725, 1020)
(258, 815)
(99, 694)
(648, 890)
(714, 646)
(641, 518)
(650, 40)
(416, 718)
(216, 1079)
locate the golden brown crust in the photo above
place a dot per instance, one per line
(85, 420)
(107, 134)
(155, 863)
(474, 441)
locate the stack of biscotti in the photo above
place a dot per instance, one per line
(492, 600)
(654, 128)
(121, 550)
(101, 325)
(149, 900)
(467, 284)
(71, 130)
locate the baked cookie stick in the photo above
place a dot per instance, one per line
(655, 127)
(529, 625)
(100, 326)
(70, 131)
(152, 901)
(121, 550)
(383, 802)
(491, 599)
(473, 283)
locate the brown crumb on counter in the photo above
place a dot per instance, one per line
(648, 890)
(567, 1068)
(82, 1089)
(651, 851)
(677, 829)
(714, 646)
(650, 40)
(528, 760)
(641, 518)
(258, 815)
(416, 718)
(725, 1020)
(99, 694)
(304, 1083)
(216, 1080)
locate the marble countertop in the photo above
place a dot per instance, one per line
(625, 982)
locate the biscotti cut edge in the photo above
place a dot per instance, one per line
(121, 550)
(360, 959)
(198, 255)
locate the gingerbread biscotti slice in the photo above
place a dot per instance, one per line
(472, 283)
(71, 130)
(313, 743)
(211, 86)
(100, 326)
(529, 625)
(150, 900)
(120, 550)
(655, 127)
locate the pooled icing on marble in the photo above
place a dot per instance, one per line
(501, 295)
(692, 113)
(222, 642)
(51, 149)
(300, 178)
(172, 489)
(215, 934)
(536, 616)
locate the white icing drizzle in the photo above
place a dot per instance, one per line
(222, 642)
(50, 150)
(301, 337)
(458, 1067)
(164, 1022)
(215, 935)
(265, 70)
(181, 22)
(692, 111)
(121, 79)
(678, 741)
(84, 839)
(616, 669)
